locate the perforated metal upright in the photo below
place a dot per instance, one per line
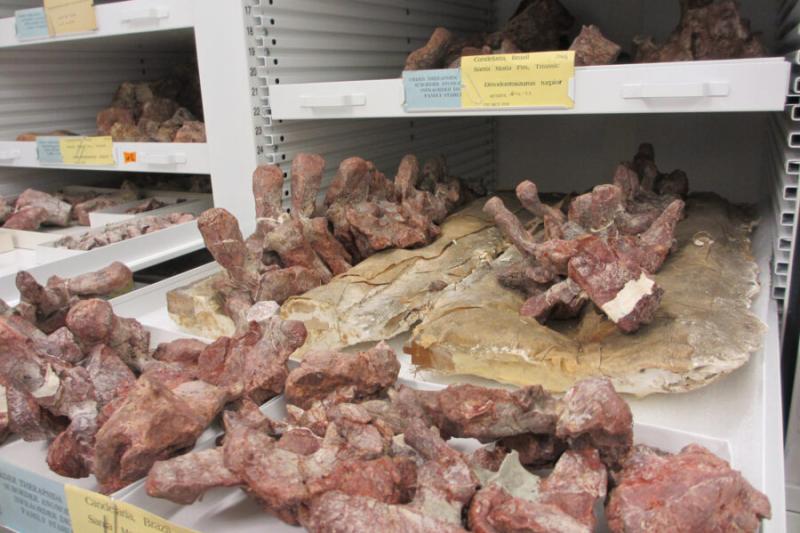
(292, 41)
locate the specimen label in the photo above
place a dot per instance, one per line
(522, 80)
(90, 511)
(31, 24)
(70, 16)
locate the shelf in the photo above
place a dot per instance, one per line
(117, 19)
(176, 158)
(685, 87)
(138, 253)
(741, 409)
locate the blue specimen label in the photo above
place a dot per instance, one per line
(428, 90)
(29, 502)
(31, 24)
(48, 150)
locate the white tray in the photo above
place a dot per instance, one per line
(230, 509)
(117, 213)
(138, 253)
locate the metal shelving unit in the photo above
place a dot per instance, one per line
(62, 82)
(265, 63)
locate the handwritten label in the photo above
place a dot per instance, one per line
(432, 89)
(543, 79)
(31, 24)
(31, 503)
(97, 151)
(48, 150)
(70, 16)
(92, 512)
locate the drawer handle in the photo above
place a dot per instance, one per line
(164, 159)
(8, 155)
(345, 100)
(151, 13)
(646, 91)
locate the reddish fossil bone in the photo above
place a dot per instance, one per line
(613, 239)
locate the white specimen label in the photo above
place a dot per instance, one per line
(627, 298)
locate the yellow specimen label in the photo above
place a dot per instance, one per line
(542, 79)
(98, 151)
(70, 16)
(92, 512)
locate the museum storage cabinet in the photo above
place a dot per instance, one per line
(283, 77)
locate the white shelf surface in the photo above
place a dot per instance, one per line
(174, 158)
(138, 253)
(115, 19)
(15, 260)
(743, 409)
(683, 87)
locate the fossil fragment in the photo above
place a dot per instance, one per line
(368, 466)
(444, 485)
(113, 116)
(322, 373)
(515, 500)
(592, 48)
(58, 212)
(165, 110)
(595, 416)
(47, 305)
(536, 25)
(93, 322)
(696, 337)
(27, 218)
(288, 254)
(286, 476)
(693, 490)
(148, 205)
(26, 417)
(32, 136)
(435, 52)
(122, 231)
(369, 213)
(469, 411)
(126, 446)
(128, 192)
(606, 250)
(337, 512)
(192, 131)
(706, 30)
(252, 364)
(186, 478)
